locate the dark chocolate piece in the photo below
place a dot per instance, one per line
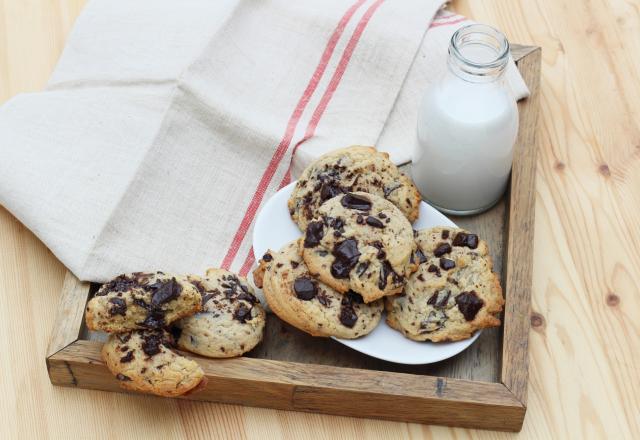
(447, 264)
(315, 232)
(469, 304)
(353, 201)
(374, 222)
(442, 249)
(118, 306)
(305, 288)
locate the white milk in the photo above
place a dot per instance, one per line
(467, 126)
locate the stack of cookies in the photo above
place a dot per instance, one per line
(359, 255)
(149, 314)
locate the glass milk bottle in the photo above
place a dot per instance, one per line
(467, 126)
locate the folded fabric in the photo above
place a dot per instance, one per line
(166, 125)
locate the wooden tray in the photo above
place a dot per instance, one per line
(483, 387)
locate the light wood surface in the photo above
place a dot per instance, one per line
(585, 342)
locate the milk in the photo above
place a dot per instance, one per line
(467, 127)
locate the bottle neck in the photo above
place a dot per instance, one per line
(478, 53)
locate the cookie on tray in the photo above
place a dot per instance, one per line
(231, 321)
(141, 300)
(308, 304)
(360, 242)
(143, 360)
(351, 169)
(454, 291)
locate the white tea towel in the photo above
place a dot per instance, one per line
(167, 124)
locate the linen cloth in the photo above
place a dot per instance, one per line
(167, 124)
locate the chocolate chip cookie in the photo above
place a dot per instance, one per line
(360, 242)
(454, 291)
(141, 300)
(308, 304)
(231, 321)
(351, 169)
(143, 360)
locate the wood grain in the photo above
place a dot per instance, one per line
(585, 340)
(520, 237)
(70, 314)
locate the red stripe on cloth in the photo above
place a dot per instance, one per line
(286, 140)
(333, 84)
(448, 23)
(248, 262)
(326, 98)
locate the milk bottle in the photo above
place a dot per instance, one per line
(467, 126)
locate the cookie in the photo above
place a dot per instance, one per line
(231, 321)
(351, 169)
(143, 360)
(141, 301)
(453, 293)
(308, 304)
(360, 242)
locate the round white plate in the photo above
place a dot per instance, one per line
(274, 228)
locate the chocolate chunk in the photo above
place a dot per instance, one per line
(464, 239)
(439, 299)
(447, 264)
(166, 292)
(118, 307)
(385, 271)
(434, 269)
(305, 288)
(122, 377)
(151, 344)
(323, 299)
(242, 313)
(294, 264)
(120, 283)
(315, 232)
(199, 286)
(469, 304)
(338, 223)
(248, 297)
(362, 268)
(155, 319)
(382, 215)
(472, 241)
(347, 254)
(127, 357)
(374, 222)
(141, 303)
(348, 316)
(444, 234)
(353, 201)
(421, 257)
(442, 249)
(352, 297)
(360, 219)
(206, 298)
(381, 255)
(329, 190)
(435, 321)
(420, 277)
(267, 257)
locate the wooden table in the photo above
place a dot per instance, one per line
(585, 342)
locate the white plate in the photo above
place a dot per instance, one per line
(274, 228)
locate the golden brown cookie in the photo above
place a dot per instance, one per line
(352, 169)
(454, 291)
